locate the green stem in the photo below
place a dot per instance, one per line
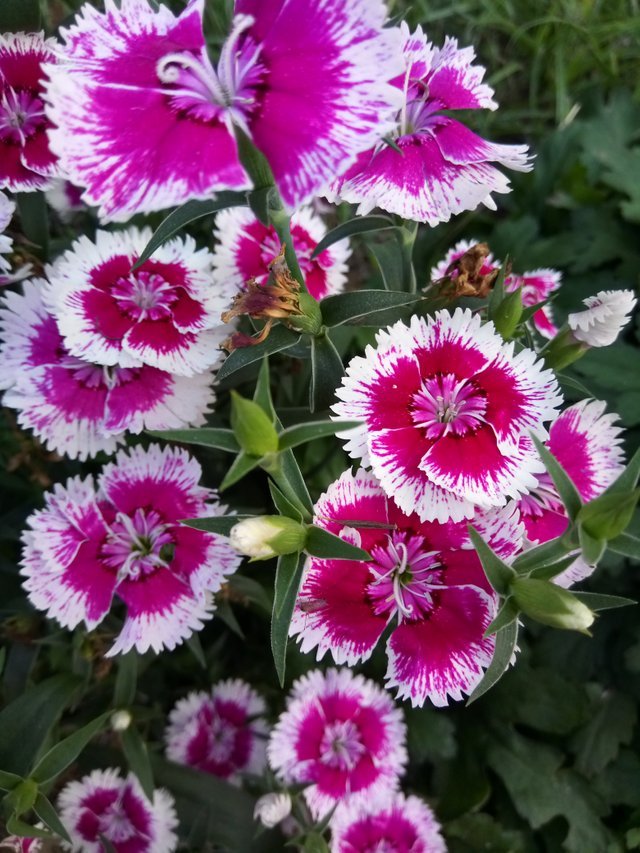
(408, 233)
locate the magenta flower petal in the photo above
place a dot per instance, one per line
(537, 286)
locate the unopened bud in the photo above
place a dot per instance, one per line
(609, 515)
(310, 318)
(271, 809)
(252, 427)
(550, 604)
(120, 721)
(508, 313)
(563, 350)
(267, 536)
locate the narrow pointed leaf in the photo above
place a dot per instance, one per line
(221, 439)
(8, 781)
(189, 212)
(628, 480)
(48, 815)
(262, 393)
(289, 479)
(498, 292)
(279, 338)
(241, 466)
(321, 543)
(126, 680)
(327, 371)
(541, 555)
(66, 751)
(592, 548)
(366, 307)
(360, 225)
(564, 484)
(312, 430)
(626, 545)
(282, 504)
(498, 573)
(18, 827)
(135, 750)
(220, 524)
(506, 615)
(288, 578)
(596, 601)
(506, 640)
(552, 570)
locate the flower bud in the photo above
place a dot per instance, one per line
(252, 427)
(563, 350)
(120, 721)
(271, 809)
(267, 536)
(508, 313)
(310, 318)
(550, 604)
(609, 515)
(607, 313)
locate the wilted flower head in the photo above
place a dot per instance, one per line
(271, 809)
(442, 168)
(246, 247)
(136, 95)
(164, 314)
(125, 539)
(447, 408)
(76, 407)
(606, 315)
(395, 823)
(27, 163)
(105, 804)
(222, 732)
(424, 582)
(587, 444)
(342, 736)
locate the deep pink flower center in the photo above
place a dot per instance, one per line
(21, 115)
(406, 577)
(115, 823)
(137, 544)
(226, 93)
(96, 376)
(144, 295)
(341, 746)
(445, 404)
(221, 736)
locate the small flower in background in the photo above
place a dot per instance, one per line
(65, 199)
(424, 581)
(165, 314)
(606, 315)
(16, 844)
(79, 408)
(7, 209)
(245, 248)
(27, 163)
(272, 809)
(222, 732)
(442, 168)
(396, 823)
(126, 540)
(587, 444)
(105, 804)
(342, 736)
(447, 408)
(537, 285)
(135, 95)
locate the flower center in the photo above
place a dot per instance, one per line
(137, 545)
(115, 824)
(145, 295)
(221, 739)
(21, 115)
(448, 405)
(341, 746)
(406, 577)
(226, 93)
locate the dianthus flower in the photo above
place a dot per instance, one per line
(165, 313)
(442, 168)
(17, 844)
(586, 443)
(222, 732)
(396, 824)
(6, 243)
(606, 315)
(105, 804)
(26, 162)
(65, 199)
(246, 248)
(126, 540)
(78, 408)
(145, 121)
(447, 408)
(537, 285)
(424, 580)
(342, 736)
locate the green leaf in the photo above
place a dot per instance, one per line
(315, 843)
(311, 431)
(541, 555)
(252, 427)
(596, 601)
(135, 750)
(48, 815)
(507, 614)
(20, 16)
(505, 647)
(626, 545)
(262, 393)
(282, 504)
(225, 613)
(220, 524)
(498, 292)
(288, 477)
(184, 215)
(547, 572)
(592, 548)
(498, 573)
(8, 781)
(564, 484)
(628, 480)
(279, 338)
(66, 751)
(288, 578)
(240, 467)
(25, 723)
(126, 680)
(251, 590)
(327, 371)
(222, 439)
(611, 726)
(18, 827)
(366, 307)
(321, 543)
(360, 225)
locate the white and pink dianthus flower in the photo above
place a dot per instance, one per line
(125, 540)
(79, 408)
(424, 583)
(587, 444)
(342, 736)
(222, 732)
(245, 248)
(26, 162)
(105, 804)
(394, 823)
(165, 314)
(442, 168)
(606, 315)
(144, 121)
(446, 409)
(537, 285)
